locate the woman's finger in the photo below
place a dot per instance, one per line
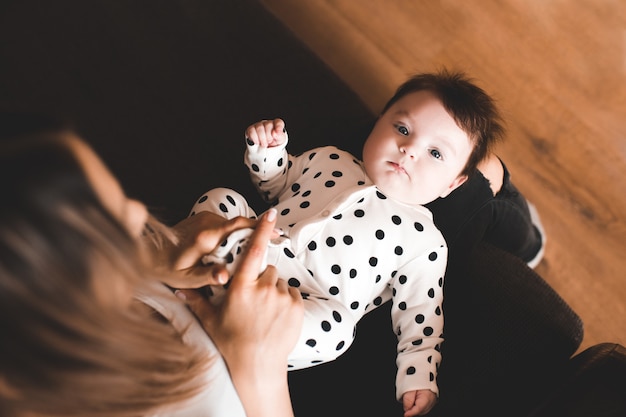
(250, 265)
(201, 233)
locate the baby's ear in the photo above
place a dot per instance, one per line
(458, 181)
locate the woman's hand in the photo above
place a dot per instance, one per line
(256, 327)
(198, 235)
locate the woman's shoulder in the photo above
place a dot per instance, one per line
(220, 397)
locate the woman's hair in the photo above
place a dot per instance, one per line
(473, 110)
(74, 341)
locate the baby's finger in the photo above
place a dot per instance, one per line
(249, 267)
(251, 134)
(279, 128)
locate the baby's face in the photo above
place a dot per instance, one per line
(416, 151)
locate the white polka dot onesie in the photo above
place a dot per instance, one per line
(348, 249)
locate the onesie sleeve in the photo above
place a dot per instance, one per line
(417, 317)
(273, 170)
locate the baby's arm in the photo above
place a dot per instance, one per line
(266, 157)
(417, 403)
(267, 133)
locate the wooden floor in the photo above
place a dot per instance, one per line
(558, 71)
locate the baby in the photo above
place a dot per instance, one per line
(355, 233)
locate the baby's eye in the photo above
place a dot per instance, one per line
(402, 129)
(436, 154)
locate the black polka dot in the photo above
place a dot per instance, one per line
(306, 193)
(438, 311)
(334, 290)
(402, 279)
(337, 217)
(396, 219)
(402, 306)
(311, 342)
(255, 168)
(340, 345)
(378, 278)
(335, 269)
(311, 155)
(312, 245)
(337, 174)
(329, 184)
(432, 256)
(330, 241)
(305, 204)
(223, 208)
(428, 331)
(398, 250)
(333, 156)
(359, 213)
(380, 235)
(354, 305)
(337, 316)
(410, 370)
(347, 239)
(373, 261)
(419, 319)
(352, 273)
(326, 326)
(284, 212)
(203, 199)
(417, 342)
(317, 175)
(288, 253)
(378, 301)
(295, 187)
(431, 293)
(231, 200)
(418, 226)
(293, 282)
(249, 142)
(381, 195)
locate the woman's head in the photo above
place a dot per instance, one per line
(74, 340)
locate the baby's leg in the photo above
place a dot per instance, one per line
(327, 332)
(229, 204)
(225, 202)
(328, 328)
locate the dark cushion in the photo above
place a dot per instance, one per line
(594, 385)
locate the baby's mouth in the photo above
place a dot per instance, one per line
(397, 167)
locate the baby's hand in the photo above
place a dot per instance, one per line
(267, 133)
(417, 403)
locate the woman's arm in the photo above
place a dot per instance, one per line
(255, 328)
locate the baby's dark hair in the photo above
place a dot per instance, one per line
(473, 110)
